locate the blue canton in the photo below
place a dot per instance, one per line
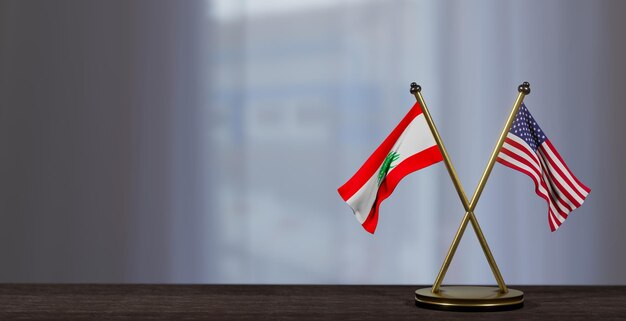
(525, 127)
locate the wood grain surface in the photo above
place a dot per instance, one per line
(286, 302)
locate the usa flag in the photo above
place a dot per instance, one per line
(528, 150)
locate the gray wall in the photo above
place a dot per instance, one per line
(189, 141)
(100, 116)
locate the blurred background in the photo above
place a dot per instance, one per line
(203, 141)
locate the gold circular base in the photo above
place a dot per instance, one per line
(469, 298)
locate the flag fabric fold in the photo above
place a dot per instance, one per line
(528, 150)
(410, 147)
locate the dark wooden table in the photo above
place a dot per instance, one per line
(286, 302)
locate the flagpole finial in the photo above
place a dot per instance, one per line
(415, 88)
(524, 88)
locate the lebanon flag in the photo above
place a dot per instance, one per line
(410, 147)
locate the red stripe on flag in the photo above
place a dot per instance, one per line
(414, 163)
(558, 171)
(531, 162)
(525, 157)
(553, 195)
(537, 191)
(526, 150)
(549, 143)
(371, 165)
(534, 161)
(526, 161)
(560, 190)
(554, 189)
(559, 186)
(517, 168)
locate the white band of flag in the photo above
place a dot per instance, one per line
(410, 147)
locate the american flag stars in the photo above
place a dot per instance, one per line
(526, 128)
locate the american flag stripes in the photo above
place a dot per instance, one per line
(528, 150)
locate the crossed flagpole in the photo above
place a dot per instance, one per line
(523, 89)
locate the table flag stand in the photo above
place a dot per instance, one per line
(470, 298)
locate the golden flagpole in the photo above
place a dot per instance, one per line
(469, 214)
(523, 89)
(416, 90)
(470, 297)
